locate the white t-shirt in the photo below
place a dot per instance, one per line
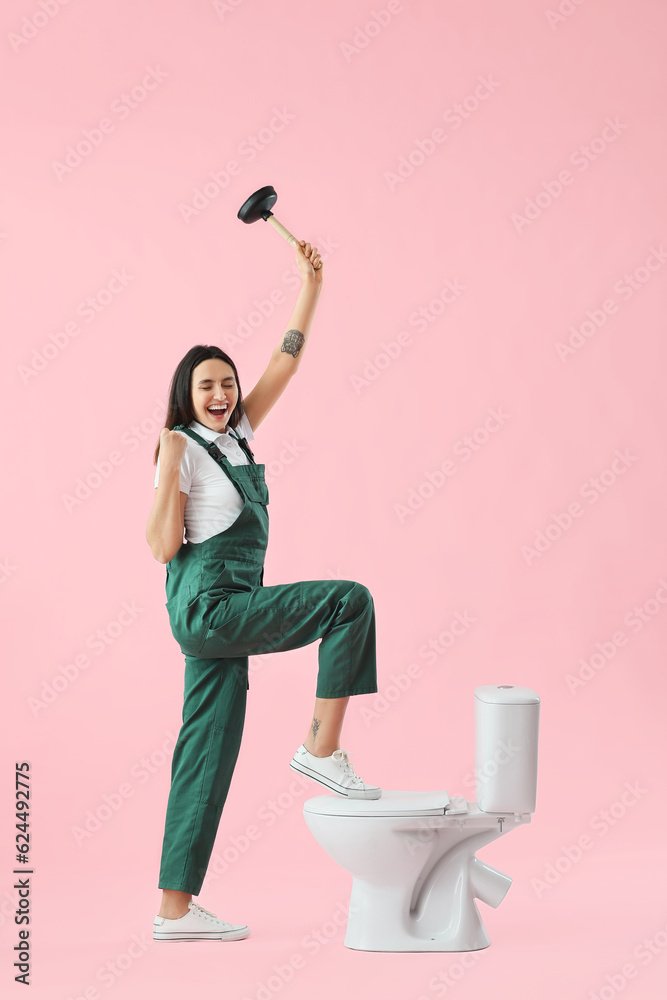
(213, 502)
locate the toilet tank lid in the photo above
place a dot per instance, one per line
(506, 694)
(390, 803)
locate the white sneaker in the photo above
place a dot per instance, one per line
(197, 924)
(335, 772)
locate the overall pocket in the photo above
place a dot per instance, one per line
(186, 619)
(254, 484)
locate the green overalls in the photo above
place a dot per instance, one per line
(220, 613)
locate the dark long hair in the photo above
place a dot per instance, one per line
(179, 407)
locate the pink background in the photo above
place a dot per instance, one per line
(577, 95)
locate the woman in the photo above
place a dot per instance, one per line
(208, 484)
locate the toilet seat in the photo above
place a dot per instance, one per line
(391, 803)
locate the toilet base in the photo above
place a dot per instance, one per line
(440, 914)
(415, 873)
(368, 927)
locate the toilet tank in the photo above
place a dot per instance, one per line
(506, 730)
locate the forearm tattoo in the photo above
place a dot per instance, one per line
(292, 343)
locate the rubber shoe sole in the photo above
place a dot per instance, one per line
(237, 934)
(202, 936)
(198, 924)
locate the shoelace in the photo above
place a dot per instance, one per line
(205, 913)
(343, 759)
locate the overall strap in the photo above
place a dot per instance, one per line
(215, 453)
(211, 446)
(244, 445)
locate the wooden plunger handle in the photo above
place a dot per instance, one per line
(278, 226)
(285, 233)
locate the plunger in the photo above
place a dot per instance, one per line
(258, 206)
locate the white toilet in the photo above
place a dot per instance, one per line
(415, 876)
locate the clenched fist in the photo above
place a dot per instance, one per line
(172, 448)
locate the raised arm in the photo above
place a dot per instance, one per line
(164, 531)
(287, 353)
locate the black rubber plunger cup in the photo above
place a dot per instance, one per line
(258, 206)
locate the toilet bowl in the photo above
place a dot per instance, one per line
(415, 876)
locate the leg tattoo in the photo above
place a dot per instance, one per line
(314, 728)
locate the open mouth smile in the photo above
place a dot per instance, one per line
(218, 412)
